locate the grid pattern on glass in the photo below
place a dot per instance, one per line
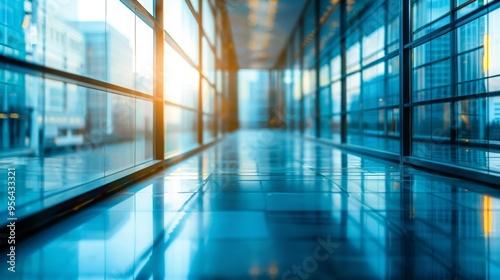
(361, 63)
(102, 40)
(181, 25)
(463, 130)
(85, 129)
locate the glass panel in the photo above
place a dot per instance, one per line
(181, 130)
(469, 6)
(335, 128)
(144, 57)
(393, 81)
(309, 99)
(208, 128)
(208, 97)
(208, 22)
(336, 97)
(120, 133)
(324, 75)
(181, 25)
(78, 36)
(58, 34)
(330, 17)
(354, 128)
(353, 92)
(253, 98)
(181, 80)
(195, 4)
(62, 135)
(431, 74)
(494, 133)
(208, 61)
(393, 25)
(120, 43)
(309, 40)
(149, 5)
(336, 65)
(143, 131)
(325, 107)
(428, 15)
(353, 52)
(373, 87)
(373, 29)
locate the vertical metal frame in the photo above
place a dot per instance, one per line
(292, 75)
(200, 72)
(386, 65)
(216, 109)
(159, 106)
(343, 79)
(290, 112)
(453, 78)
(317, 117)
(362, 68)
(301, 63)
(405, 80)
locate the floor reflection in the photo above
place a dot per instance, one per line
(267, 205)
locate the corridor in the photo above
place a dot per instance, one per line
(266, 204)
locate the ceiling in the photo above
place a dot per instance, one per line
(260, 29)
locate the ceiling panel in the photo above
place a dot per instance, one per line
(261, 28)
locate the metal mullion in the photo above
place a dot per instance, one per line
(479, 12)
(428, 37)
(174, 45)
(428, 25)
(67, 77)
(201, 76)
(317, 66)
(301, 63)
(159, 106)
(361, 70)
(197, 16)
(386, 64)
(405, 80)
(371, 64)
(478, 79)
(343, 69)
(142, 13)
(183, 107)
(453, 79)
(214, 85)
(200, 23)
(356, 21)
(469, 51)
(431, 63)
(451, 99)
(291, 110)
(373, 109)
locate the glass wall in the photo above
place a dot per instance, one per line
(448, 63)
(357, 59)
(191, 95)
(455, 88)
(79, 83)
(253, 98)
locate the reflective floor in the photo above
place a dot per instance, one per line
(267, 205)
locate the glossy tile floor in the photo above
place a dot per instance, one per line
(268, 205)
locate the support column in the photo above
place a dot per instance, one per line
(200, 68)
(343, 81)
(158, 103)
(405, 80)
(317, 117)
